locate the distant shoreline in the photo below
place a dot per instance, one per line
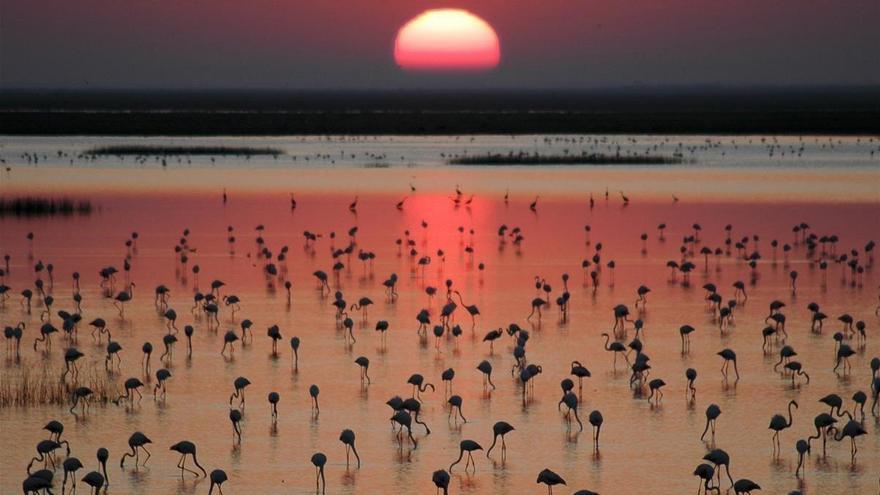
(184, 123)
(711, 110)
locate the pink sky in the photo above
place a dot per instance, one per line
(349, 43)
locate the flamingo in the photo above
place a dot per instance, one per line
(239, 384)
(571, 402)
(823, 423)
(537, 304)
(718, 458)
(595, 418)
(218, 477)
(95, 481)
(468, 446)
(471, 309)
(447, 376)
(45, 453)
(132, 386)
(347, 438)
(274, 398)
(136, 442)
(123, 297)
(81, 394)
(113, 349)
(500, 429)
(404, 419)
(492, 336)
(362, 305)
(729, 356)
(744, 486)
(581, 372)
(655, 386)
(803, 448)
(785, 354)
(274, 333)
(843, 354)
(796, 369)
(187, 448)
(706, 473)
(616, 348)
(100, 326)
(147, 349)
(364, 364)
(550, 479)
(691, 375)
(235, 418)
(313, 393)
(56, 428)
(71, 356)
(419, 385)
(642, 293)
(440, 478)
(168, 341)
(712, 413)
(778, 423)
(162, 375)
(16, 333)
(229, 339)
(851, 429)
(319, 460)
(455, 402)
(414, 406)
(46, 331)
(40, 480)
(485, 367)
(294, 346)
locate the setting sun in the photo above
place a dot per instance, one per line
(447, 39)
(339, 208)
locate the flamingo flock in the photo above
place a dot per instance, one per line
(224, 326)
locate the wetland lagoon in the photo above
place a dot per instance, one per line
(359, 246)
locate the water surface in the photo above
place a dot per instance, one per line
(835, 190)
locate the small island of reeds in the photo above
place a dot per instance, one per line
(523, 158)
(33, 206)
(162, 150)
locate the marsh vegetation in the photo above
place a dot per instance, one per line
(523, 158)
(33, 206)
(171, 150)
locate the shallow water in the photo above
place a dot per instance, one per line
(642, 446)
(717, 168)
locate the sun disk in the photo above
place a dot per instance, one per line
(447, 39)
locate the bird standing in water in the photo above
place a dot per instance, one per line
(468, 446)
(347, 438)
(319, 460)
(550, 479)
